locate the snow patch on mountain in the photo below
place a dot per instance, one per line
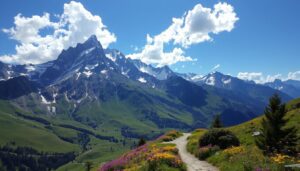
(54, 97)
(53, 109)
(66, 97)
(226, 81)
(30, 68)
(279, 88)
(87, 51)
(160, 73)
(196, 77)
(109, 56)
(91, 67)
(23, 74)
(77, 75)
(142, 80)
(210, 81)
(87, 73)
(44, 100)
(125, 73)
(144, 70)
(103, 71)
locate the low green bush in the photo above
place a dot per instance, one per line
(219, 137)
(205, 152)
(171, 135)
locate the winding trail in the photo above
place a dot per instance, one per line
(193, 163)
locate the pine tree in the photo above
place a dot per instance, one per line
(142, 141)
(275, 137)
(217, 123)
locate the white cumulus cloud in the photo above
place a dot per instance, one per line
(74, 25)
(294, 75)
(251, 76)
(260, 78)
(194, 27)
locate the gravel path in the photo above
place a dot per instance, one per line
(193, 164)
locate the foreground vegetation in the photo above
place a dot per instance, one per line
(155, 155)
(23, 158)
(85, 149)
(247, 156)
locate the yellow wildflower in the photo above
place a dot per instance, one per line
(234, 150)
(280, 158)
(169, 148)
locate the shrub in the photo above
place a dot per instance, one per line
(248, 166)
(235, 150)
(174, 134)
(141, 142)
(166, 138)
(169, 136)
(205, 152)
(219, 137)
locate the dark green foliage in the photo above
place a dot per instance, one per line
(217, 123)
(88, 165)
(248, 166)
(219, 137)
(34, 118)
(83, 140)
(88, 132)
(2, 168)
(24, 158)
(275, 137)
(142, 141)
(208, 151)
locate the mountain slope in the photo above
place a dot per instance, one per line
(16, 87)
(259, 93)
(17, 131)
(290, 87)
(83, 81)
(104, 89)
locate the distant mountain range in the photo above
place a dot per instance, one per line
(217, 79)
(103, 89)
(290, 87)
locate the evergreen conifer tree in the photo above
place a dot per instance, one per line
(275, 137)
(217, 123)
(142, 141)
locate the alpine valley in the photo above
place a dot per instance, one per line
(93, 104)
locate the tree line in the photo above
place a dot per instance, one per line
(29, 159)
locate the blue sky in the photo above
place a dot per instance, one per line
(264, 40)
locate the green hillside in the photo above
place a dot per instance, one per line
(18, 131)
(113, 136)
(247, 156)
(50, 135)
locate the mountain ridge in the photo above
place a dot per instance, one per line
(92, 99)
(89, 73)
(290, 87)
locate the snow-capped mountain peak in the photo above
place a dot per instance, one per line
(127, 65)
